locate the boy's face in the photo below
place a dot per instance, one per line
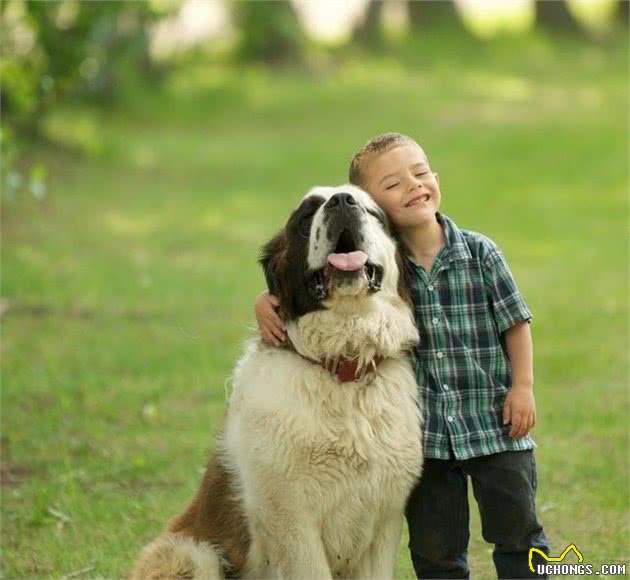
(401, 182)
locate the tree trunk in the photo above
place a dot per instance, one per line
(554, 16)
(623, 12)
(426, 14)
(370, 31)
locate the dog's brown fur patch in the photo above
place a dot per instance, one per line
(215, 515)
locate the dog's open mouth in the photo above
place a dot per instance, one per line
(346, 257)
(344, 266)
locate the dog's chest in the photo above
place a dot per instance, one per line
(368, 434)
(344, 454)
(328, 433)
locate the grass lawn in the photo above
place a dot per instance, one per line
(129, 289)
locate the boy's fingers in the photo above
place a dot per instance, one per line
(275, 327)
(273, 300)
(524, 427)
(528, 425)
(506, 413)
(516, 425)
(270, 339)
(279, 335)
(272, 320)
(276, 319)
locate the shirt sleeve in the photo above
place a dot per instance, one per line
(507, 303)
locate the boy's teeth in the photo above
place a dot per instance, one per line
(422, 199)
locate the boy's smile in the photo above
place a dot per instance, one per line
(401, 182)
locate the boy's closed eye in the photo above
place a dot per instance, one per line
(397, 183)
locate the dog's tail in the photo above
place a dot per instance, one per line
(177, 557)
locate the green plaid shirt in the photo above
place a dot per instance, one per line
(462, 308)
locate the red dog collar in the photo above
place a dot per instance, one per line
(345, 369)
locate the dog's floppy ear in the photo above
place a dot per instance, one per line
(272, 260)
(405, 273)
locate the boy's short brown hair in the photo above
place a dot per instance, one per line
(375, 146)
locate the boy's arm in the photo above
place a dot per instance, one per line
(271, 326)
(518, 340)
(520, 407)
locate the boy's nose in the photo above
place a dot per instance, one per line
(415, 183)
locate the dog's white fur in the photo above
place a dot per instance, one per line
(324, 468)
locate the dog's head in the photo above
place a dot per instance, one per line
(336, 246)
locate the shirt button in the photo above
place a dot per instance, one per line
(435, 321)
(445, 387)
(450, 419)
(440, 354)
(430, 287)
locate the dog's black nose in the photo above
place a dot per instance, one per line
(342, 201)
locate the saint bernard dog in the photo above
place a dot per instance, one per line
(322, 438)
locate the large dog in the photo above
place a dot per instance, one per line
(322, 439)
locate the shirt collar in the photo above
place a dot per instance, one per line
(457, 247)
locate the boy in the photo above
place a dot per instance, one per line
(473, 365)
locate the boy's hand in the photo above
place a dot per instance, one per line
(271, 326)
(519, 410)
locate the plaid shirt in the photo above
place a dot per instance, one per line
(462, 308)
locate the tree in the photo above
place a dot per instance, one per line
(427, 14)
(624, 12)
(554, 16)
(77, 50)
(370, 31)
(270, 31)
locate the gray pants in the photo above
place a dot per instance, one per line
(504, 485)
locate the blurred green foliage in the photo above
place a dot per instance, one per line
(54, 51)
(61, 52)
(269, 32)
(65, 50)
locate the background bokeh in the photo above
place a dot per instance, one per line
(150, 148)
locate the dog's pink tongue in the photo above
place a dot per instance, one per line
(348, 262)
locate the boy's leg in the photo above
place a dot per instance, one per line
(438, 518)
(504, 485)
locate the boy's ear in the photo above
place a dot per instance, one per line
(272, 259)
(437, 177)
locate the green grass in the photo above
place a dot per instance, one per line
(130, 287)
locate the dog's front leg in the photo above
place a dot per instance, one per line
(286, 545)
(379, 561)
